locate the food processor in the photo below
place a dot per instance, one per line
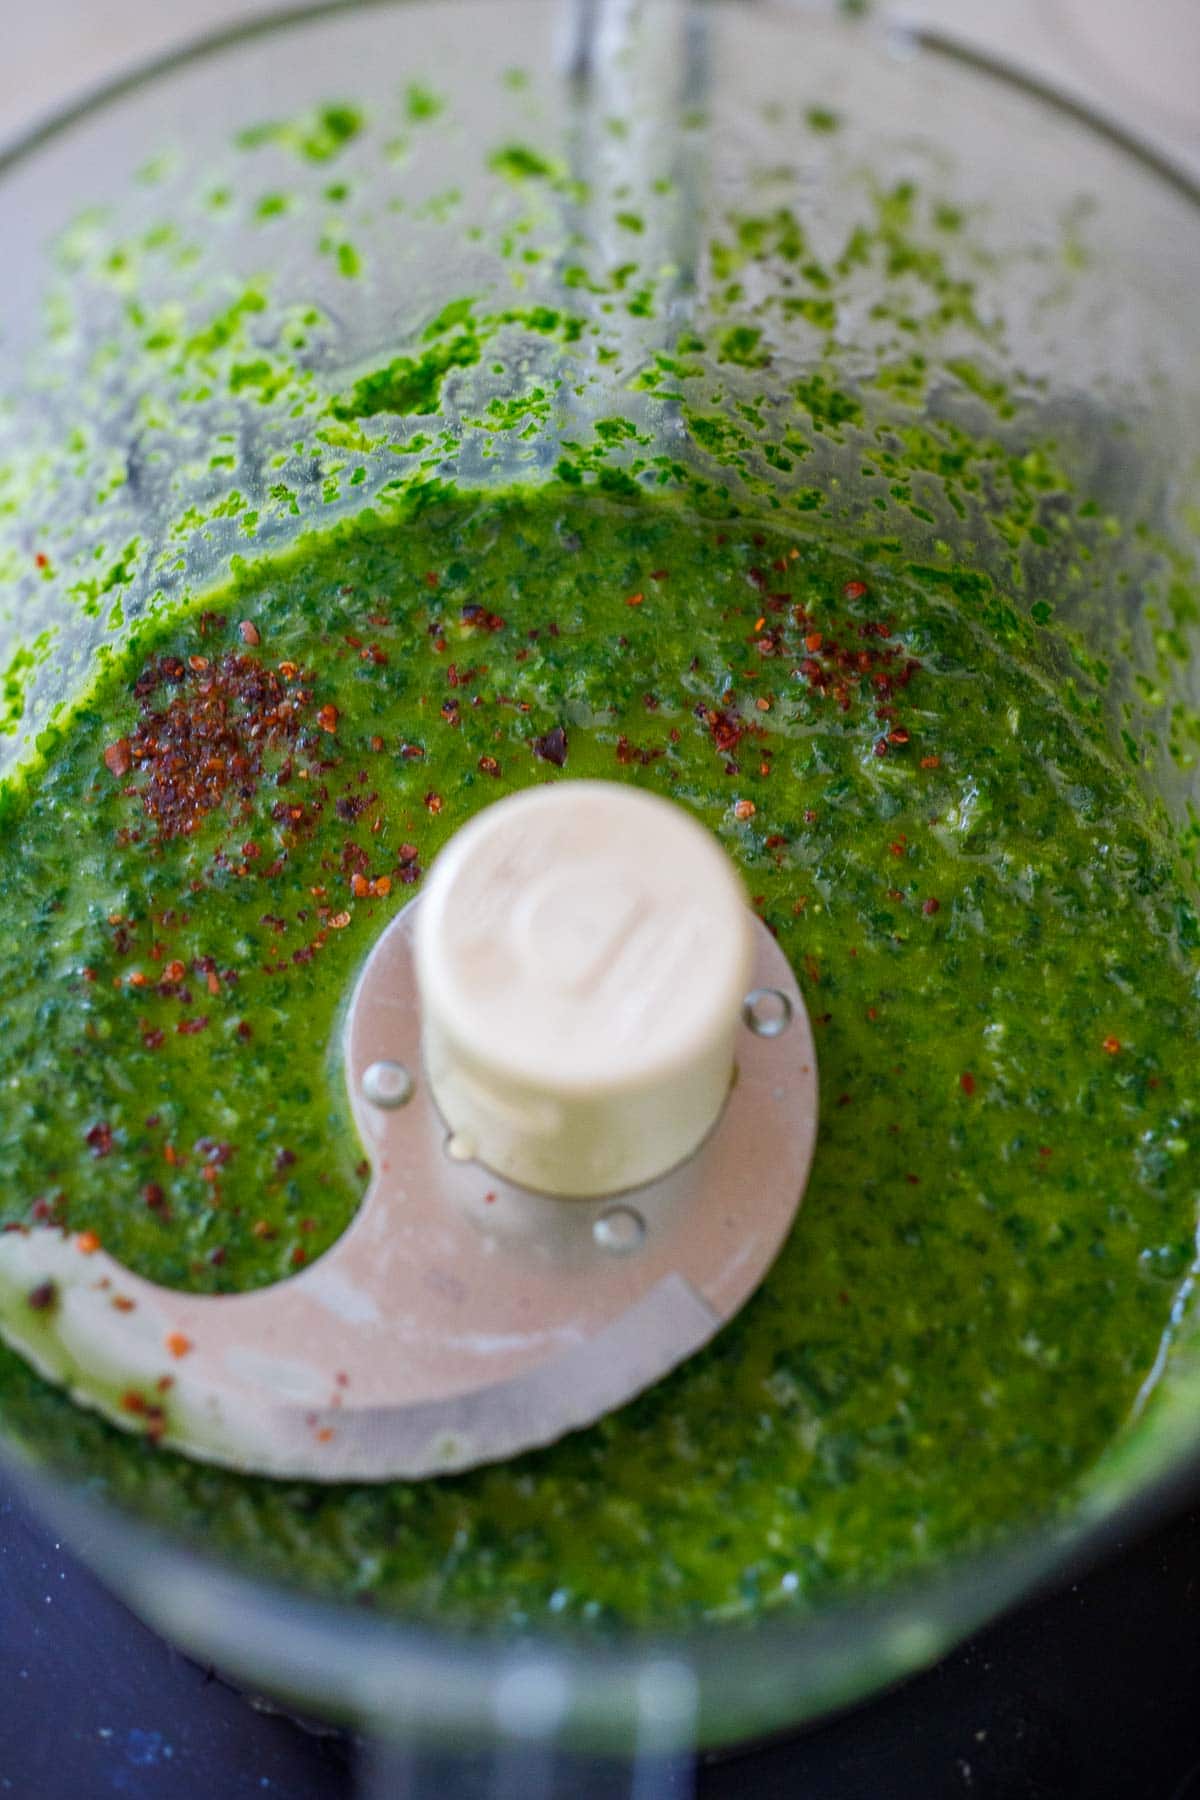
(201, 258)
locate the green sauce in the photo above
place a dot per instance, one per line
(994, 945)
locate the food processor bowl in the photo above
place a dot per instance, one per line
(762, 255)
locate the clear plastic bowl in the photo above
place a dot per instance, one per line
(138, 221)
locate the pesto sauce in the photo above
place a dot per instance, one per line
(995, 949)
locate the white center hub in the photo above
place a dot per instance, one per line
(583, 950)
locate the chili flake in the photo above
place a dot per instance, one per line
(99, 1139)
(552, 746)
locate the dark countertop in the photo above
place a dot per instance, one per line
(1092, 1691)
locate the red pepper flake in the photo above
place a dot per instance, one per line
(552, 746)
(325, 1434)
(966, 1082)
(42, 560)
(133, 1402)
(87, 1243)
(262, 1229)
(1111, 1045)
(327, 718)
(489, 766)
(872, 1014)
(431, 579)
(123, 1304)
(153, 1195)
(298, 1257)
(725, 729)
(744, 809)
(118, 758)
(43, 1298)
(898, 735)
(881, 746)
(814, 640)
(250, 633)
(931, 762)
(164, 1384)
(634, 599)
(191, 1027)
(644, 754)
(659, 574)
(433, 803)
(209, 736)
(99, 1139)
(931, 906)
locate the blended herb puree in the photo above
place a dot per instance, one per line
(995, 947)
